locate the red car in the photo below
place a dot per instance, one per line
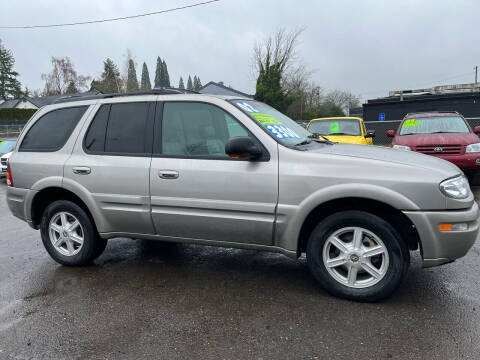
(442, 134)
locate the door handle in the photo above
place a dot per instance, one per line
(81, 170)
(168, 174)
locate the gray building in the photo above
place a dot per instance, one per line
(215, 88)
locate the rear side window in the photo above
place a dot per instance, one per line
(52, 130)
(119, 129)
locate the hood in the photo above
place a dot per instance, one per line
(6, 156)
(437, 139)
(349, 139)
(390, 155)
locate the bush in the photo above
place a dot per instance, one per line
(15, 116)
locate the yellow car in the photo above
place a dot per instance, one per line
(342, 129)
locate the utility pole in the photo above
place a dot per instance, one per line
(476, 73)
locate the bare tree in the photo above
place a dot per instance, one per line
(345, 99)
(63, 78)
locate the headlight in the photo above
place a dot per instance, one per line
(401, 147)
(456, 187)
(473, 148)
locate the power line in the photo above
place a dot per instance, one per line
(108, 20)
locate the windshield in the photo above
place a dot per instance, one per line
(336, 127)
(6, 146)
(281, 127)
(435, 124)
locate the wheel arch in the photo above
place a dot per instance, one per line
(402, 224)
(48, 195)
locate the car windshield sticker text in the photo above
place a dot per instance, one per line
(410, 122)
(282, 132)
(265, 119)
(334, 127)
(247, 107)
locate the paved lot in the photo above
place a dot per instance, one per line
(153, 300)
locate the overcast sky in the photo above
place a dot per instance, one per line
(368, 47)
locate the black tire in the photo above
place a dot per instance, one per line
(93, 245)
(398, 255)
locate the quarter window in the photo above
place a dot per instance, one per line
(197, 130)
(52, 130)
(118, 129)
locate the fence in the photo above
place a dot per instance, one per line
(7, 131)
(381, 128)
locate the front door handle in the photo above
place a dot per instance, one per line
(168, 174)
(81, 170)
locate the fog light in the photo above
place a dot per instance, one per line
(453, 227)
(477, 160)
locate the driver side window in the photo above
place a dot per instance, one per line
(197, 130)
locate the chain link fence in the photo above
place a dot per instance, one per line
(10, 131)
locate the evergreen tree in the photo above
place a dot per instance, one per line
(145, 82)
(166, 76)
(181, 85)
(110, 81)
(159, 73)
(71, 88)
(189, 83)
(9, 85)
(132, 82)
(199, 83)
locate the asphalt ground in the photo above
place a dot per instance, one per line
(144, 299)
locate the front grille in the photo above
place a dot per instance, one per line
(440, 149)
(4, 162)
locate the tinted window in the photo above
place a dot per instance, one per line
(197, 130)
(52, 130)
(126, 128)
(95, 138)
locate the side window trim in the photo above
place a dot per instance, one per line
(148, 145)
(157, 141)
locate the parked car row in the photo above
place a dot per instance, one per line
(235, 172)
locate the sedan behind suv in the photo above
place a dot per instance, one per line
(234, 172)
(445, 135)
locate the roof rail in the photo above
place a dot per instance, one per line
(156, 91)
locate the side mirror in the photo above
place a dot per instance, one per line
(391, 133)
(242, 147)
(370, 134)
(476, 129)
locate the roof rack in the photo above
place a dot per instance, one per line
(156, 91)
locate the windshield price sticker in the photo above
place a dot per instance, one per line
(265, 119)
(334, 127)
(410, 122)
(282, 132)
(247, 107)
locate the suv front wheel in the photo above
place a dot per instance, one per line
(69, 234)
(357, 255)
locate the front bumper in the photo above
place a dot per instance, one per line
(440, 247)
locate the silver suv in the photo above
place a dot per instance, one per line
(234, 172)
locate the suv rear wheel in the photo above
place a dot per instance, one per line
(69, 235)
(357, 255)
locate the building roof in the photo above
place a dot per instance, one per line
(215, 88)
(9, 103)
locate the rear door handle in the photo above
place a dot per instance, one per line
(168, 174)
(81, 170)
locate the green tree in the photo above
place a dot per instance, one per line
(110, 81)
(197, 84)
(145, 82)
(132, 82)
(166, 76)
(159, 73)
(9, 85)
(189, 83)
(181, 85)
(272, 59)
